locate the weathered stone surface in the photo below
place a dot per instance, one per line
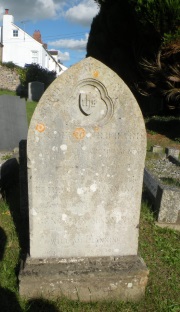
(157, 149)
(168, 204)
(172, 151)
(89, 279)
(13, 122)
(86, 151)
(9, 78)
(35, 90)
(166, 200)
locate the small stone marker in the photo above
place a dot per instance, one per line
(35, 90)
(86, 151)
(157, 149)
(13, 122)
(170, 151)
(168, 204)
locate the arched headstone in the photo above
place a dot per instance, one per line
(86, 151)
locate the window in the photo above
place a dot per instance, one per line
(35, 57)
(15, 33)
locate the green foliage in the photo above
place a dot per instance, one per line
(163, 14)
(10, 65)
(34, 72)
(171, 37)
(22, 75)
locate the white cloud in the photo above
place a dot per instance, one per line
(63, 56)
(77, 11)
(82, 13)
(71, 44)
(34, 9)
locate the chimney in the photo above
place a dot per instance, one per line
(6, 11)
(37, 36)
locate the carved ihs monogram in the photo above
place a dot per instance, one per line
(87, 103)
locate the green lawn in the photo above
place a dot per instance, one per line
(30, 107)
(159, 248)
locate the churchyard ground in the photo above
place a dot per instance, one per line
(158, 247)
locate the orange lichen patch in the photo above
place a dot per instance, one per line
(40, 127)
(79, 133)
(96, 74)
(96, 129)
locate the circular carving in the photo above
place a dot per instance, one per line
(94, 104)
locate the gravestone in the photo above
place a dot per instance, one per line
(170, 151)
(168, 204)
(35, 90)
(13, 122)
(157, 149)
(151, 184)
(86, 150)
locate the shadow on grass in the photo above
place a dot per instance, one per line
(147, 198)
(39, 305)
(8, 299)
(11, 190)
(168, 126)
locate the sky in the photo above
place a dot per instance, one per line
(64, 25)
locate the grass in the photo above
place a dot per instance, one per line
(30, 107)
(171, 181)
(158, 247)
(7, 92)
(163, 131)
(6, 157)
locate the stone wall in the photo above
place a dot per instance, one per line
(9, 79)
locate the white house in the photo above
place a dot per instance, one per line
(21, 49)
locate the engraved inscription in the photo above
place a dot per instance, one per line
(87, 103)
(90, 239)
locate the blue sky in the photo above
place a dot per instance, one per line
(64, 25)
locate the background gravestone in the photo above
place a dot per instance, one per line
(35, 90)
(13, 122)
(86, 151)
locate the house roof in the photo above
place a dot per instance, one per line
(53, 52)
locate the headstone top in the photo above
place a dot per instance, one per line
(35, 90)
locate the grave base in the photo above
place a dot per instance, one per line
(172, 226)
(85, 279)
